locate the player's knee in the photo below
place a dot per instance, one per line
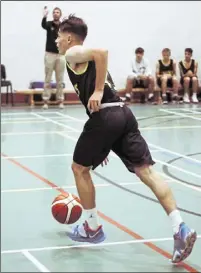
(79, 169)
(194, 79)
(164, 79)
(151, 79)
(130, 78)
(186, 80)
(143, 172)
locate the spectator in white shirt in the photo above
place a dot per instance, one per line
(141, 74)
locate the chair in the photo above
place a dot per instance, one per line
(6, 83)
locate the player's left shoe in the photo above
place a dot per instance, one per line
(83, 233)
(184, 241)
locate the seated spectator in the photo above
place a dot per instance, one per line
(188, 70)
(141, 74)
(166, 74)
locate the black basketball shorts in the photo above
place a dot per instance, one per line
(113, 128)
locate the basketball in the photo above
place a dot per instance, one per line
(66, 208)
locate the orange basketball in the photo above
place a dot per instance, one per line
(66, 208)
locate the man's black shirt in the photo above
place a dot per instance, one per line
(52, 34)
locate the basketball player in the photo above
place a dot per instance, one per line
(53, 60)
(188, 70)
(141, 75)
(111, 126)
(166, 74)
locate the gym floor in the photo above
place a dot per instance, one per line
(37, 148)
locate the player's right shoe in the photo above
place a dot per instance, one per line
(184, 241)
(83, 233)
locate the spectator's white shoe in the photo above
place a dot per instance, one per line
(186, 98)
(61, 105)
(194, 98)
(151, 95)
(45, 106)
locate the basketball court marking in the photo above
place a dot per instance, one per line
(159, 161)
(35, 261)
(179, 114)
(133, 234)
(138, 241)
(103, 185)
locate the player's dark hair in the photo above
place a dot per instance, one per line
(189, 50)
(58, 10)
(74, 25)
(139, 50)
(166, 50)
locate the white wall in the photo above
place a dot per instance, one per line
(118, 26)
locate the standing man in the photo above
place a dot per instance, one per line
(188, 71)
(166, 74)
(53, 60)
(141, 74)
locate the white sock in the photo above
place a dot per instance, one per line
(92, 218)
(176, 220)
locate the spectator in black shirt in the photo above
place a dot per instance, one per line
(53, 60)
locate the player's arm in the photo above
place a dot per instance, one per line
(80, 54)
(174, 68)
(158, 75)
(44, 22)
(195, 70)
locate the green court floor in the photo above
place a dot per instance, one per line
(37, 148)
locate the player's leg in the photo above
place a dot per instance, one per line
(59, 74)
(149, 82)
(49, 63)
(164, 80)
(186, 83)
(91, 149)
(175, 85)
(131, 81)
(195, 89)
(134, 152)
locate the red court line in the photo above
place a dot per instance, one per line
(103, 216)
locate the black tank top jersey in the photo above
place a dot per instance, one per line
(191, 68)
(166, 69)
(84, 85)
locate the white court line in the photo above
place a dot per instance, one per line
(56, 122)
(192, 111)
(161, 162)
(44, 156)
(70, 131)
(27, 113)
(35, 261)
(174, 153)
(35, 156)
(90, 245)
(179, 114)
(103, 185)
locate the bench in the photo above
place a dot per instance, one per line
(32, 92)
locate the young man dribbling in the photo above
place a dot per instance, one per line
(111, 126)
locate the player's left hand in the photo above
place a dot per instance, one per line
(95, 101)
(105, 161)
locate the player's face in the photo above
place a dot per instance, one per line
(139, 56)
(63, 42)
(166, 56)
(188, 56)
(56, 15)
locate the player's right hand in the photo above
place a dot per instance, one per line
(95, 101)
(45, 12)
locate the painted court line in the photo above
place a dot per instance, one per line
(68, 187)
(179, 114)
(158, 161)
(121, 227)
(56, 122)
(174, 153)
(35, 261)
(138, 241)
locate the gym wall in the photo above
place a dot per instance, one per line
(118, 26)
